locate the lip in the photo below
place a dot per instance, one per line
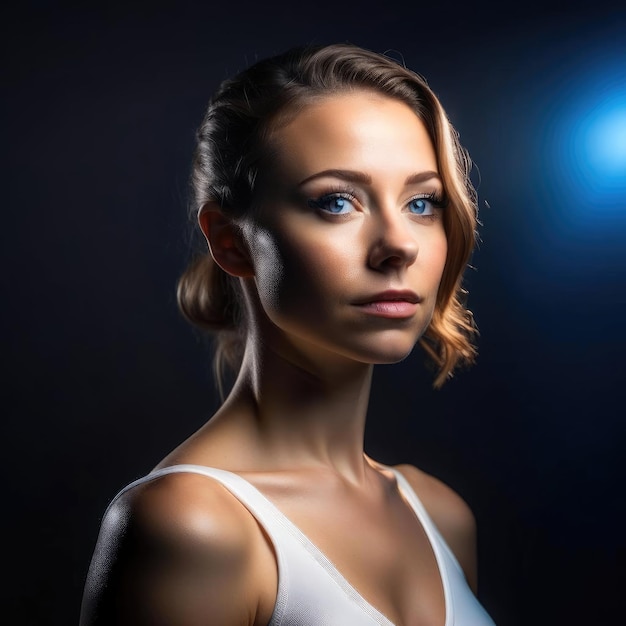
(393, 304)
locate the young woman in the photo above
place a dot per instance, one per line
(336, 204)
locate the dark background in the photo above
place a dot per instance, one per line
(102, 376)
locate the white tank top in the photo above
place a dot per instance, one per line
(311, 591)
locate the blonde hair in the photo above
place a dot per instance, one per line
(232, 145)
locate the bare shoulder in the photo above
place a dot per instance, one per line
(450, 513)
(444, 505)
(175, 550)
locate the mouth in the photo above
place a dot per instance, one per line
(391, 295)
(390, 304)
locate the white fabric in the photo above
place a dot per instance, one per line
(311, 591)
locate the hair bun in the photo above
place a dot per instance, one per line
(207, 296)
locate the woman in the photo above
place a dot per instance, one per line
(339, 216)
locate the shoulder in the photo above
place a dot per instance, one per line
(450, 513)
(445, 506)
(178, 546)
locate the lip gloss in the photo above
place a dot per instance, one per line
(394, 309)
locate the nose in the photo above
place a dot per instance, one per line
(394, 243)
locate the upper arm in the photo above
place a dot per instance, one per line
(167, 556)
(452, 516)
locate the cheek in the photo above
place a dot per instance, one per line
(441, 254)
(298, 274)
(271, 269)
(434, 256)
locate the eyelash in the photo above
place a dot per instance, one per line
(436, 199)
(333, 193)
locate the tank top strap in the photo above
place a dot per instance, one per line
(266, 514)
(262, 509)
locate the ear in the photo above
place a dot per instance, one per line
(224, 239)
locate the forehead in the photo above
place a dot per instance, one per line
(359, 130)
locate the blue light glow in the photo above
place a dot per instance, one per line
(605, 140)
(585, 142)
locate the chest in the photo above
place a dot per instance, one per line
(379, 546)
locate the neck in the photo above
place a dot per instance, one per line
(305, 411)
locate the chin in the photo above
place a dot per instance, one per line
(386, 353)
(390, 359)
(392, 347)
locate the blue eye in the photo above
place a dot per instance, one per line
(426, 205)
(334, 203)
(421, 206)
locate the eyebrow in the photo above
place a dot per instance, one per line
(361, 177)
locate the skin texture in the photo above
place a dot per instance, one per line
(178, 550)
(312, 266)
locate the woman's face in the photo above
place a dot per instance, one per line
(348, 245)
